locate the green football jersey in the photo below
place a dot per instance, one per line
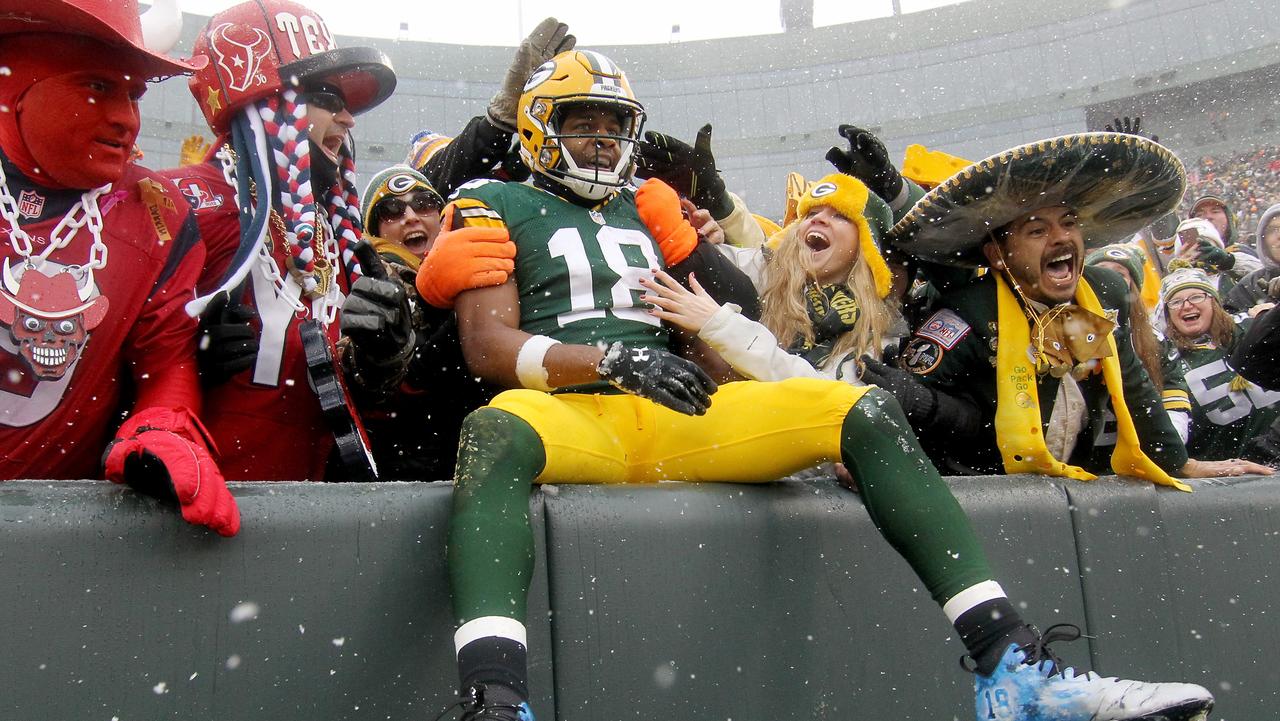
(577, 269)
(1222, 419)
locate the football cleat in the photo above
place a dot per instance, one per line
(1031, 684)
(484, 703)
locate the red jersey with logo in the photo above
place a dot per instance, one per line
(81, 351)
(266, 421)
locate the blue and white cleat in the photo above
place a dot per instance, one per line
(1031, 684)
(492, 703)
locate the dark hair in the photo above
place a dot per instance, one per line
(1145, 344)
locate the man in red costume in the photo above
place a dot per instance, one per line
(277, 207)
(98, 256)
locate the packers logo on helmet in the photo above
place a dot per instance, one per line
(575, 79)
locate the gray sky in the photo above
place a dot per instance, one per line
(504, 22)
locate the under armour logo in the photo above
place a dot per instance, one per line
(639, 354)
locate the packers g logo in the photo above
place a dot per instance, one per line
(823, 189)
(401, 183)
(540, 75)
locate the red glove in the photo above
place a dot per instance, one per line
(659, 209)
(163, 452)
(463, 259)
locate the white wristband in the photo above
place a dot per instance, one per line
(529, 368)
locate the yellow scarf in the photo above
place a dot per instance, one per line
(1018, 425)
(382, 245)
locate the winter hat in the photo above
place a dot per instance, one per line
(395, 180)
(1268, 215)
(1180, 279)
(850, 197)
(1202, 227)
(1131, 257)
(423, 146)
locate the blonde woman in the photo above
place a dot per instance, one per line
(823, 293)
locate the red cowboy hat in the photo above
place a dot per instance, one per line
(115, 22)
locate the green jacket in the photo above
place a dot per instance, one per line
(955, 352)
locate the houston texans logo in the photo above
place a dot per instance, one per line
(240, 60)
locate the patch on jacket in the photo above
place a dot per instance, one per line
(945, 327)
(922, 355)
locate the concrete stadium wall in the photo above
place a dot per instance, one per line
(677, 601)
(971, 78)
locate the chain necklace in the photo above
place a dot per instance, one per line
(324, 263)
(84, 212)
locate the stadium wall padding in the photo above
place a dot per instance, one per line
(672, 601)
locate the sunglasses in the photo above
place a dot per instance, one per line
(328, 100)
(1194, 299)
(393, 208)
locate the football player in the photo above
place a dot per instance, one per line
(627, 409)
(98, 257)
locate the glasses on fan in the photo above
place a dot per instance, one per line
(393, 208)
(1194, 299)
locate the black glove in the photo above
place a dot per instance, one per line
(918, 400)
(867, 160)
(375, 317)
(228, 343)
(1129, 126)
(660, 376)
(690, 170)
(1211, 256)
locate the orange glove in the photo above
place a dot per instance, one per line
(659, 209)
(463, 259)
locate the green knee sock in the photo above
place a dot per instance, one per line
(490, 542)
(907, 499)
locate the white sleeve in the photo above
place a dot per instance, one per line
(1246, 263)
(750, 261)
(1181, 421)
(751, 349)
(740, 227)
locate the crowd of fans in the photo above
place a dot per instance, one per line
(1248, 180)
(557, 295)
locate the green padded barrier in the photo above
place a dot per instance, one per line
(1185, 585)
(332, 603)
(776, 602)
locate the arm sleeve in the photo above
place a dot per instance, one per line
(161, 348)
(472, 154)
(740, 227)
(751, 349)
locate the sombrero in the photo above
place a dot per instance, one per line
(1117, 183)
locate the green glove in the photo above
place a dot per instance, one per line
(691, 170)
(1211, 256)
(867, 160)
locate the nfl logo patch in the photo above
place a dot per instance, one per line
(30, 204)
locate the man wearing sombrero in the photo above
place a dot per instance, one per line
(279, 212)
(1032, 347)
(98, 256)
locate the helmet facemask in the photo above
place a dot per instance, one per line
(588, 181)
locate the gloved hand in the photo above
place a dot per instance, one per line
(660, 211)
(1129, 127)
(164, 453)
(867, 160)
(676, 163)
(1210, 255)
(918, 400)
(227, 343)
(550, 38)
(463, 259)
(375, 315)
(660, 376)
(1273, 288)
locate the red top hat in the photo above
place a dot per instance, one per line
(114, 22)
